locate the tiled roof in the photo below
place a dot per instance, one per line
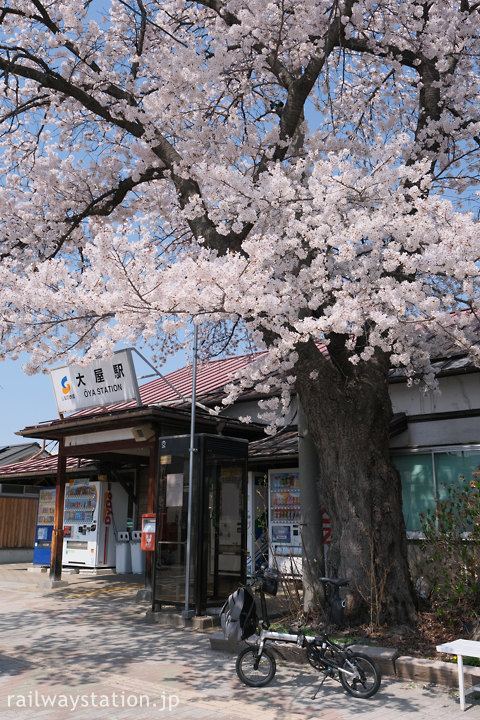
(212, 376)
(42, 466)
(279, 445)
(442, 366)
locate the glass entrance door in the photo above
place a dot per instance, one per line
(171, 535)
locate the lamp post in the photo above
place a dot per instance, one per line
(187, 613)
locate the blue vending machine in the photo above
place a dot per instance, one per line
(45, 521)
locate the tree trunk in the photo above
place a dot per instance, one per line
(313, 566)
(348, 412)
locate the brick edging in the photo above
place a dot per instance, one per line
(388, 660)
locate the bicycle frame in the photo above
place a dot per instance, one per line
(299, 639)
(303, 640)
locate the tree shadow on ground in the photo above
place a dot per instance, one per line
(100, 635)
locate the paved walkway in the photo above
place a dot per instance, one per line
(86, 652)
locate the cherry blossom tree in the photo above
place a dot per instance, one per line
(301, 174)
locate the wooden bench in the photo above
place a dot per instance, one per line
(462, 648)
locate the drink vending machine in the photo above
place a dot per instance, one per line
(284, 521)
(93, 514)
(45, 522)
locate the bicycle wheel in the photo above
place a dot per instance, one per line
(255, 671)
(366, 679)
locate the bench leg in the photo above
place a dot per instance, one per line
(461, 683)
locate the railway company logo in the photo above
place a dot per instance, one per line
(104, 382)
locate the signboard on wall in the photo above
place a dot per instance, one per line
(101, 382)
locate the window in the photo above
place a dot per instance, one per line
(455, 467)
(13, 489)
(418, 487)
(425, 477)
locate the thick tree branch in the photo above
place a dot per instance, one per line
(106, 203)
(187, 189)
(48, 78)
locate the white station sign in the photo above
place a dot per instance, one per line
(101, 382)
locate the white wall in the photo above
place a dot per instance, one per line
(457, 392)
(454, 431)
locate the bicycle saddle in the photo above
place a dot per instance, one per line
(338, 582)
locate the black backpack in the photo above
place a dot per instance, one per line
(239, 615)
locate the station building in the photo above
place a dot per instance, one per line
(247, 485)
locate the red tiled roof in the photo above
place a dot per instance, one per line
(212, 376)
(42, 465)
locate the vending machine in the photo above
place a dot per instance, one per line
(284, 521)
(45, 521)
(93, 514)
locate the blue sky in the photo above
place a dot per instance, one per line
(24, 400)
(29, 399)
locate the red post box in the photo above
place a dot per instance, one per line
(148, 532)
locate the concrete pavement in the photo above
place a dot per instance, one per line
(85, 651)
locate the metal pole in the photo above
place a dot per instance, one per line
(187, 612)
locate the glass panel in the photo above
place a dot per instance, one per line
(32, 490)
(258, 522)
(455, 467)
(171, 536)
(13, 489)
(128, 481)
(226, 533)
(418, 492)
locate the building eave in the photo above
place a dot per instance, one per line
(114, 419)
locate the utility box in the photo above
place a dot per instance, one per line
(123, 553)
(137, 554)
